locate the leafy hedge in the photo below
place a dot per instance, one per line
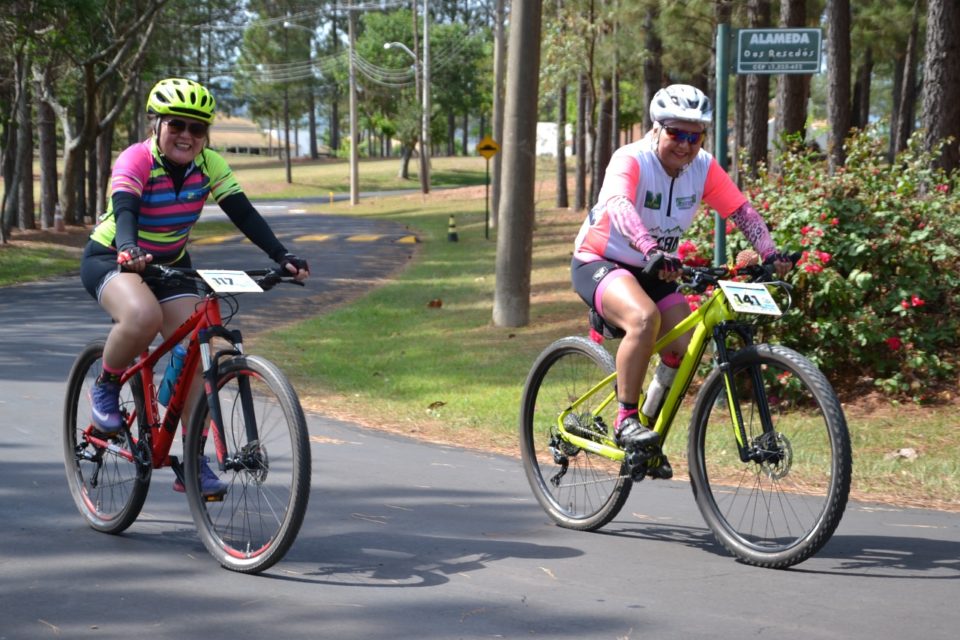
(877, 296)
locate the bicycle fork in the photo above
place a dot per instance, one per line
(251, 456)
(749, 451)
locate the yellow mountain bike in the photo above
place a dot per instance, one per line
(768, 449)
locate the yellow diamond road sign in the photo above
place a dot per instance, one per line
(487, 147)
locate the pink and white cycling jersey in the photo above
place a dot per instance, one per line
(665, 206)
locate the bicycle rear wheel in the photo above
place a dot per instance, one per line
(108, 484)
(268, 477)
(578, 489)
(782, 507)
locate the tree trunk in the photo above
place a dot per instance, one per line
(838, 81)
(603, 151)
(580, 188)
(907, 109)
(739, 127)
(861, 92)
(896, 96)
(511, 304)
(47, 135)
(465, 134)
(793, 90)
(563, 200)
(451, 133)
(652, 63)
(757, 105)
(104, 161)
(27, 217)
(941, 104)
(405, 152)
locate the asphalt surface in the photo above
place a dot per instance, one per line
(405, 539)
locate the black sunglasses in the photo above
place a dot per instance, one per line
(196, 129)
(692, 137)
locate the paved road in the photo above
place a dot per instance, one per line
(411, 540)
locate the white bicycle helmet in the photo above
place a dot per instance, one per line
(681, 102)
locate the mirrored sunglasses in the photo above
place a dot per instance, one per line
(196, 129)
(691, 137)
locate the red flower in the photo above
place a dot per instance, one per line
(894, 343)
(686, 248)
(812, 268)
(905, 304)
(805, 229)
(835, 221)
(917, 301)
(943, 188)
(824, 256)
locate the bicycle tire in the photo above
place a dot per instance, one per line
(776, 512)
(258, 519)
(107, 485)
(593, 489)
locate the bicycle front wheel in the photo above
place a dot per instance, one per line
(108, 483)
(781, 506)
(578, 489)
(266, 452)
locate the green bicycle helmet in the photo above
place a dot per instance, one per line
(182, 97)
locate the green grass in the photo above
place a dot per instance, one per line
(390, 359)
(25, 264)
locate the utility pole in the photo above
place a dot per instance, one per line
(425, 132)
(354, 155)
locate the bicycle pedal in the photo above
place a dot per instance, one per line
(216, 497)
(661, 469)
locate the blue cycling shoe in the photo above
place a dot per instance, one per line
(105, 408)
(210, 484)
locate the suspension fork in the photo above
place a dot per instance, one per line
(745, 333)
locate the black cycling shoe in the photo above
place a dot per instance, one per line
(633, 435)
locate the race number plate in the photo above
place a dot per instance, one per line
(750, 297)
(223, 281)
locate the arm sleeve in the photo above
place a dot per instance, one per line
(126, 211)
(618, 193)
(243, 214)
(624, 215)
(748, 220)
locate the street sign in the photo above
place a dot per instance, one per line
(487, 147)
(775, 51)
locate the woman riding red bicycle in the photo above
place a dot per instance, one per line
(158, 189)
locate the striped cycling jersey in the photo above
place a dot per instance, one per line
(665, 205)
(166, 216)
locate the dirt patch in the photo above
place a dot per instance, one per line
(73, 238)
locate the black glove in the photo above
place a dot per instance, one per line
(658, 261)
(298, 263)
(779, 256)
(782, 258)
(133, 257)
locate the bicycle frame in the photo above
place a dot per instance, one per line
(707, 323)
(203, 324)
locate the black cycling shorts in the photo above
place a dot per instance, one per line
(99, 265)
(589, 276)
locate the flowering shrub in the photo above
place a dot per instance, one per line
(877, 289)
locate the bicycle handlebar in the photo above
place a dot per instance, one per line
(266, 279)
(698, 278)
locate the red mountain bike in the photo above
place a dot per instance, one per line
(251, 426)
